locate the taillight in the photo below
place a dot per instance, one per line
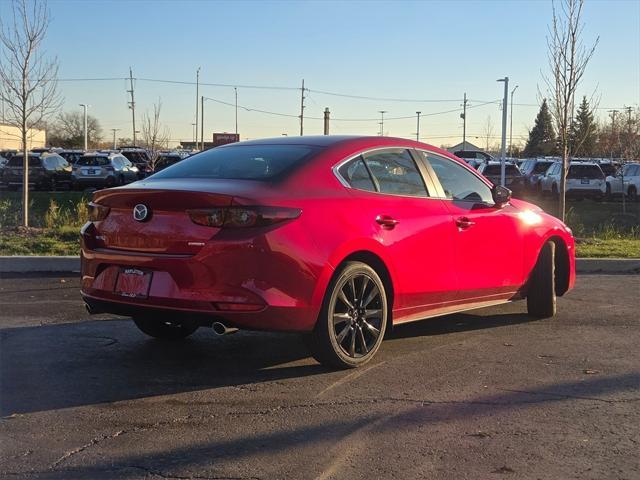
(97, 212)
(240, 217)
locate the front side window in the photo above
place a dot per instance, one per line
(458, 182)
(395, 172)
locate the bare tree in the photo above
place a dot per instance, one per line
(568, 58)
(28, 80)
(67, 130)
(154, 135)
(488, 133)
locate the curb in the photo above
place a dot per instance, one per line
(42, 264)
(608, 265)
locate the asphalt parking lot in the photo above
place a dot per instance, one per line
(488, 394)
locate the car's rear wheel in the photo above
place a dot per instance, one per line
(353, 318)
(633, 194)
(541, 296)
(608, 192)
(165, 329)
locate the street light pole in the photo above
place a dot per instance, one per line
(503, 148)
(236, 92)
(197, 98)
(511, 122)
(382, 112)
(418, 127)
(84, 106)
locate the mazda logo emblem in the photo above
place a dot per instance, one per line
(140, 212)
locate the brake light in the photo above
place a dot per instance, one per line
(241, 217)
(97, 212)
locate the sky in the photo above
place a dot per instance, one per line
(427, 53)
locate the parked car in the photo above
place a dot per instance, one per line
(584, 179)
(47, 171)
(7, 154)
(140, 158)
(167, 159)
(533, 170)
(103, 169)
(630, 174)
(338, 237)
(480, 157)
(71, 156)
(513, 178)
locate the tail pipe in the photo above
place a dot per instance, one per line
(92, 310)
(220, 328)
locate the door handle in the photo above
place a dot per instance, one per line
(463, 223)
(386, 221)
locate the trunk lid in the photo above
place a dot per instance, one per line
(166, 229)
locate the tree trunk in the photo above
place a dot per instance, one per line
(563, 182)
(25, 178)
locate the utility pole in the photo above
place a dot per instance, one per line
(202, 123)
(235, 89)
(195, 133)
(418, 127)
(302, 109)
(132, 106)
(511, 122)
(84, 106)
(382, 112)
(463, 116)
(503, 148)
(326, 121)
(115, 144)
(197, 101)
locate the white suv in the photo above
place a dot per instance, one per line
(631, 175)
(585, 179)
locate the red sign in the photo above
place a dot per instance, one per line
(224, 138)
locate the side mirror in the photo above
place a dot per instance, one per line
(501, 195)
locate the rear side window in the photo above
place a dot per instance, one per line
(459, 183)
(497, 170)
(395, 172)
(18, 161)
(241, 162)
(356, 175)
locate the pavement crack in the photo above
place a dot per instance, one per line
(94, 441)
(566, 395)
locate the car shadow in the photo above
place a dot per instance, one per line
(75, 364)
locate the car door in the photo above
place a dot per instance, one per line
(488, 240)
(393, 201)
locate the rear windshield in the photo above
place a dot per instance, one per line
(17, 161)
(541, 167)
(608, 169)
(248, 162)
(93, 161)
(585, 171)
(136, 157)
(497, 170)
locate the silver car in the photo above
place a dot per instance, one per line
(103, 169)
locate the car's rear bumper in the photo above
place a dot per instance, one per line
(256, 283)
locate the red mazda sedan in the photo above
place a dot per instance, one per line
(339, 237)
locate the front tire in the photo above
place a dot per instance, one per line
(165, 329)
(353, 318)
(541, 296)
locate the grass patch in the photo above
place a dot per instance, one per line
(60, 241)
(611, 248)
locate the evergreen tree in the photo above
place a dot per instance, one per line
(583, 133)
(542, 137)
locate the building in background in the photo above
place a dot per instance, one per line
(10, 138)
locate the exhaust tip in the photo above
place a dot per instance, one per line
(91, 310)
(220, 328)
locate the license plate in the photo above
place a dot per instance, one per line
(584, 181)
(133, 283)
(91, 172)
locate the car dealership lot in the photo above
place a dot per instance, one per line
(484, 394)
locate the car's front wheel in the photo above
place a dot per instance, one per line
(353, 318)
(165, 329)
(541, 296)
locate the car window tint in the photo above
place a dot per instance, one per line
(458, 182)
(247, 162)
(395, 172)
(356, 175)
(585, 171)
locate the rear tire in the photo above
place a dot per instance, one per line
(541, 296)
(633, 194)
(165, 329)
(353, 318)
